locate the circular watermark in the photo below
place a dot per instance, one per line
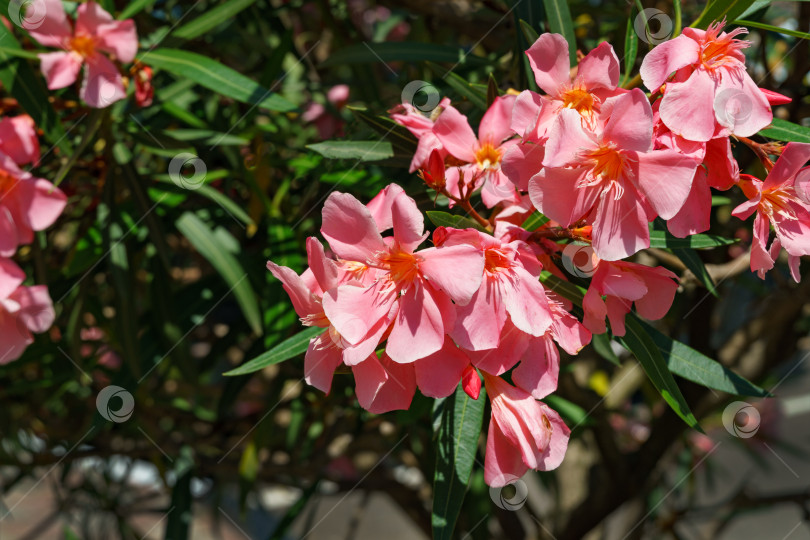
(741, 419)
(580, 260)
(512, 496)
(422, 95)
(732, 107)
(28, 14)
(181, 175)
(115, 404)
(653, 26)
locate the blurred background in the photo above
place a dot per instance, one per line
(119, 423)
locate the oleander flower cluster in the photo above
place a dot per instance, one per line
(405, 309)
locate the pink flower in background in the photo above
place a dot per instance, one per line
(612, 178)
(482, 153)
(652, 290)
(27, 204)
(711, 93)
(327, 123)
(523, 434)
(94, 33)
(421, 126)
(778, 201)
(24, 311)
(18, 139)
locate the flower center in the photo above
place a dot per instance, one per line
(608, 163)
(83, 45)
(403, 267)
(718, 51)
(488, 156)
(578, 99)
(495, 261)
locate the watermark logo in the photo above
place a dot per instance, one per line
(580, 260)
(28, 14)
(115, 404)
(422, 95)
(741, 419)
(732, 108)
(180, 171)
(512, 496)
(653, 26)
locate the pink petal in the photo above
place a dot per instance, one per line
(369, 378)
(456, 270)
(43, 203)
(687, 107)
(419, 328)
(102, 85)
(349, 228)
(60, 69)
(526, 303)
(631, 125)
(408, 222)
(438, 375)
(321, 361)
(794, 157)
(11, 277)
(325, 270)
(665, 178)
(620, 228)
(526, 113)
(36, 308)
(569, 333)
(354, 311)
(599, 68)
(479, 323)
(381, 206)
(510, 349)
(120, 39)
(18, 139)
(502, 461)
(567, 140)
(14, 339)
(621, 281)
(397, 390)
(661, 286)
(456, 135)
(595, 311)
(667, 58)
(304, 302)
(548, 57)
(695, 215)
(723, 170)
(617, 309)
(558, 445)
(495, 124)
(556, 193)
(46, 21)
(539, 369)
(742, 108)
(521, 162)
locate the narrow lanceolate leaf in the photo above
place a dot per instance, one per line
(630, 49)
(26, 86)
(663, 239)
(134, 7)
(692, 365)
(646, 351)
(289, 348)
(398, 135)
(216, 77)
(443, 219)
(464, 88)
(535, 221)
(362, 150)
(455, 455)
(573, 414)
(559, 22)
(771, 28)
(211, 19)
(693, 263)
(717, 10)
(575, 293)
(782, 130)
(370, 53)
(215, 250)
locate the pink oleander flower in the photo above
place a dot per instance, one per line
(523, 434)
(778, 201)
(144, 90)
(416, 290)
(18, 139)
(27, 204)
(652, 290)
(612, 178)
(95, 33)
(421, 126)
(327, 123)
(482, 153)
(23, 310)
(711, 92)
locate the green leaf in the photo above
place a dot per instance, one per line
(443, 219)
(20, 80)
(529, 32)
(717, 10)
(179, 517)
(571, 412)
(134, 7)
(492, 90)
(213, 248)
(455, 455)
(573, 292)
(559, 22)
(630, 49)
(408, 51)
(211, 19)
(646, 351)
(289, 348)
(362, 150)
(399, 135)
(535, 221)
(216, 77)
(457, 83)
(601, 344)
(692, 365)
(663, 239)
(770, 28)
(227, 204)
(782, 130)
(693, 263)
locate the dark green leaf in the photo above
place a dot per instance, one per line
(399, 135)
(782, 130)
(696, 266)
(361, 150)
(211, 19)
(571, 412)
(289, 348)
(216, 77)
(457, 83)
(443, 219)
(575, 293)
(630, 49)
(455, 455)
(408, 51)
(717, 10)
(535, 221)
(663, 239)
(601, 344)
(559, 22)
(771, 28)
(646, 351)
(134, 7)
(692, 365)
(529, 33)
